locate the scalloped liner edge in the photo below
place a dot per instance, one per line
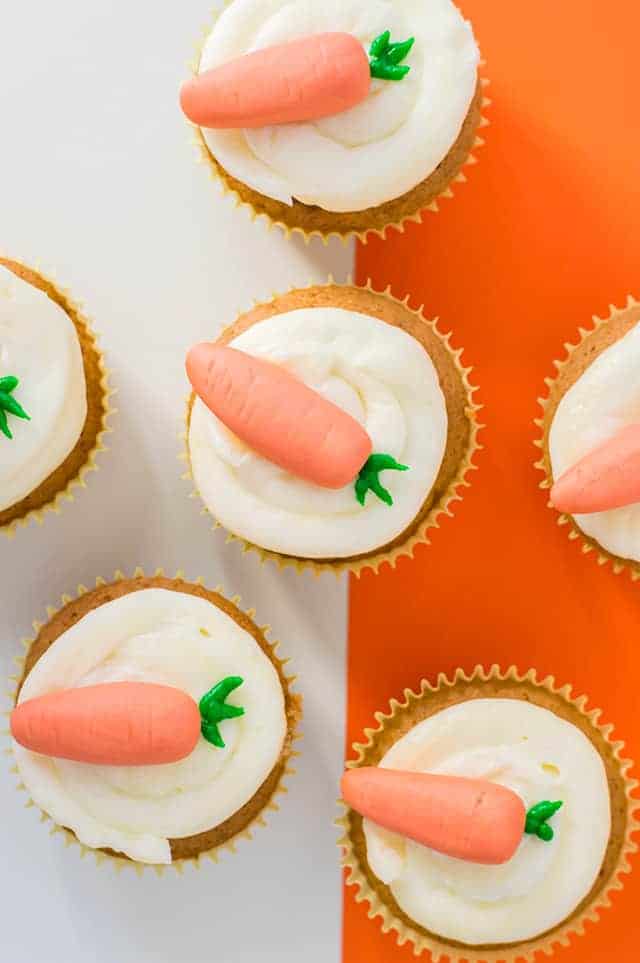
(121, 863)
(432, 520)
(561, 935)
(203, 157)
(66, 494)
(544, 465)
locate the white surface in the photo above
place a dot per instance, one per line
(398, 135)
(379, 375)
(98, 181)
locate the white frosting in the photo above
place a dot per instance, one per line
(174, 639)
(378, 374)
(536, 754)
(39, 345)
(375, 151)
(604, 399)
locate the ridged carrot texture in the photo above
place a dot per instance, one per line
(470, 819)
(122, 723)
(305, 79)
(607, 477)
(286, 422)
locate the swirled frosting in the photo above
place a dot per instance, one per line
(537, 755)
(604, 399)
(39, 345)
(375, 151)
(378, 374)
(175, 639)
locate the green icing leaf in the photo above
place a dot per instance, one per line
(9, 383)
(389, 72)
(4, 426)
(368, 478)
(214, 709)
(536, 823)
(385, 57)
(398, 51)
(9, 405)
(380, 44)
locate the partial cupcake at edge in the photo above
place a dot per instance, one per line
(340, 117)
(154, 721)
(591, 439)
(329, 428)
(488, 817)
(53, 395)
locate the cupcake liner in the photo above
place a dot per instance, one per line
(397, 213)
(591, 343)
(416, 706)
(275, 782)
(82, 460)
(451, 480)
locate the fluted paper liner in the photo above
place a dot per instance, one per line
(592, 342)
(71, 474)
(205, 846)
(462, 415)
(402, 716)
(312, 221)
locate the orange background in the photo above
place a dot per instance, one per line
(545, 234)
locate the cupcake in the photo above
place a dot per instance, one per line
(153, 720)
(488, 817)
(337, 118)
(591, 439)
(53, 395)
(329, 427)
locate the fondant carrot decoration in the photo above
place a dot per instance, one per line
(286, 422)
(302, 80)
(122, 723)
(608, 477)
(470, 819)
(9, 405)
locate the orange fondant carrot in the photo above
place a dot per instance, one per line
(470, 819)
(279, 416)
(608, 477)
(114, 724)
(302, 80)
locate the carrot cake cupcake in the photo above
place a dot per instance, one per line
(591, 438)
(153, 720)
(53, 397)
(329, 426)
(488, 817)
(337, 117)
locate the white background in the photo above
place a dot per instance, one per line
(98, 182)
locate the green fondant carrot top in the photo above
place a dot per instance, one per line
(385, 58)
(214, 709)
